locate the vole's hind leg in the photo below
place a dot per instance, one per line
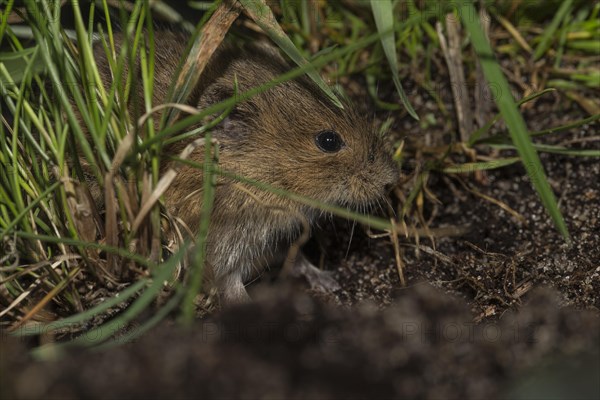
(317, 278)
(232, 290)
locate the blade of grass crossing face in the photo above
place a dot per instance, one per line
(374, 222)
(384, 20)
(512, 117)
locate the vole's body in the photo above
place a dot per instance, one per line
(269, 138)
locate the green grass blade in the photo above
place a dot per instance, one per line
(16, 63)
(162, 275)
(546, 148)
(160, 314)
(591, 46)
(474, 138)
(572, 125)
(375, 222)
(4, 18)
(88, 245)
(5, 232)
(263, 16)
(546, 39)
(113, 327)
(512, 117)
(384, 20)
(480, 166)
(209, 185)
(83, 316)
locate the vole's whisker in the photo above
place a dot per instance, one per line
(350, 240)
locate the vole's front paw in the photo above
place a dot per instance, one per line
(232, 290)
(318, 279)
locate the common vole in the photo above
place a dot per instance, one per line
(291, 137)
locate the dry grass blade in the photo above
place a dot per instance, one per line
(590, 105)
(514, 33)
(383, 14)
(167, 178)
(112, 207)
(82, 208)
(497, 202)
(47, 298)
(397, 255)
(210, 38)
(453, 55)
(164, 183)
(483, 94)
(446, 231)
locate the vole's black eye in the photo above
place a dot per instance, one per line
(329, 141)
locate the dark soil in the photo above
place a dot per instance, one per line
(289, 345)
(500, 258)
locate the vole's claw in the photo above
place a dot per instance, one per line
(318, 279)
(322, 281)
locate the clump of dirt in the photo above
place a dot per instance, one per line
(287, 344)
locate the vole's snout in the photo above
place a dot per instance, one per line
(385, 171)
(373, 179)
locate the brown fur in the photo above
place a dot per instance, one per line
(269, 138)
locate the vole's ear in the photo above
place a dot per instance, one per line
(235, 125)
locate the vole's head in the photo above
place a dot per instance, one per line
(294, 138)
